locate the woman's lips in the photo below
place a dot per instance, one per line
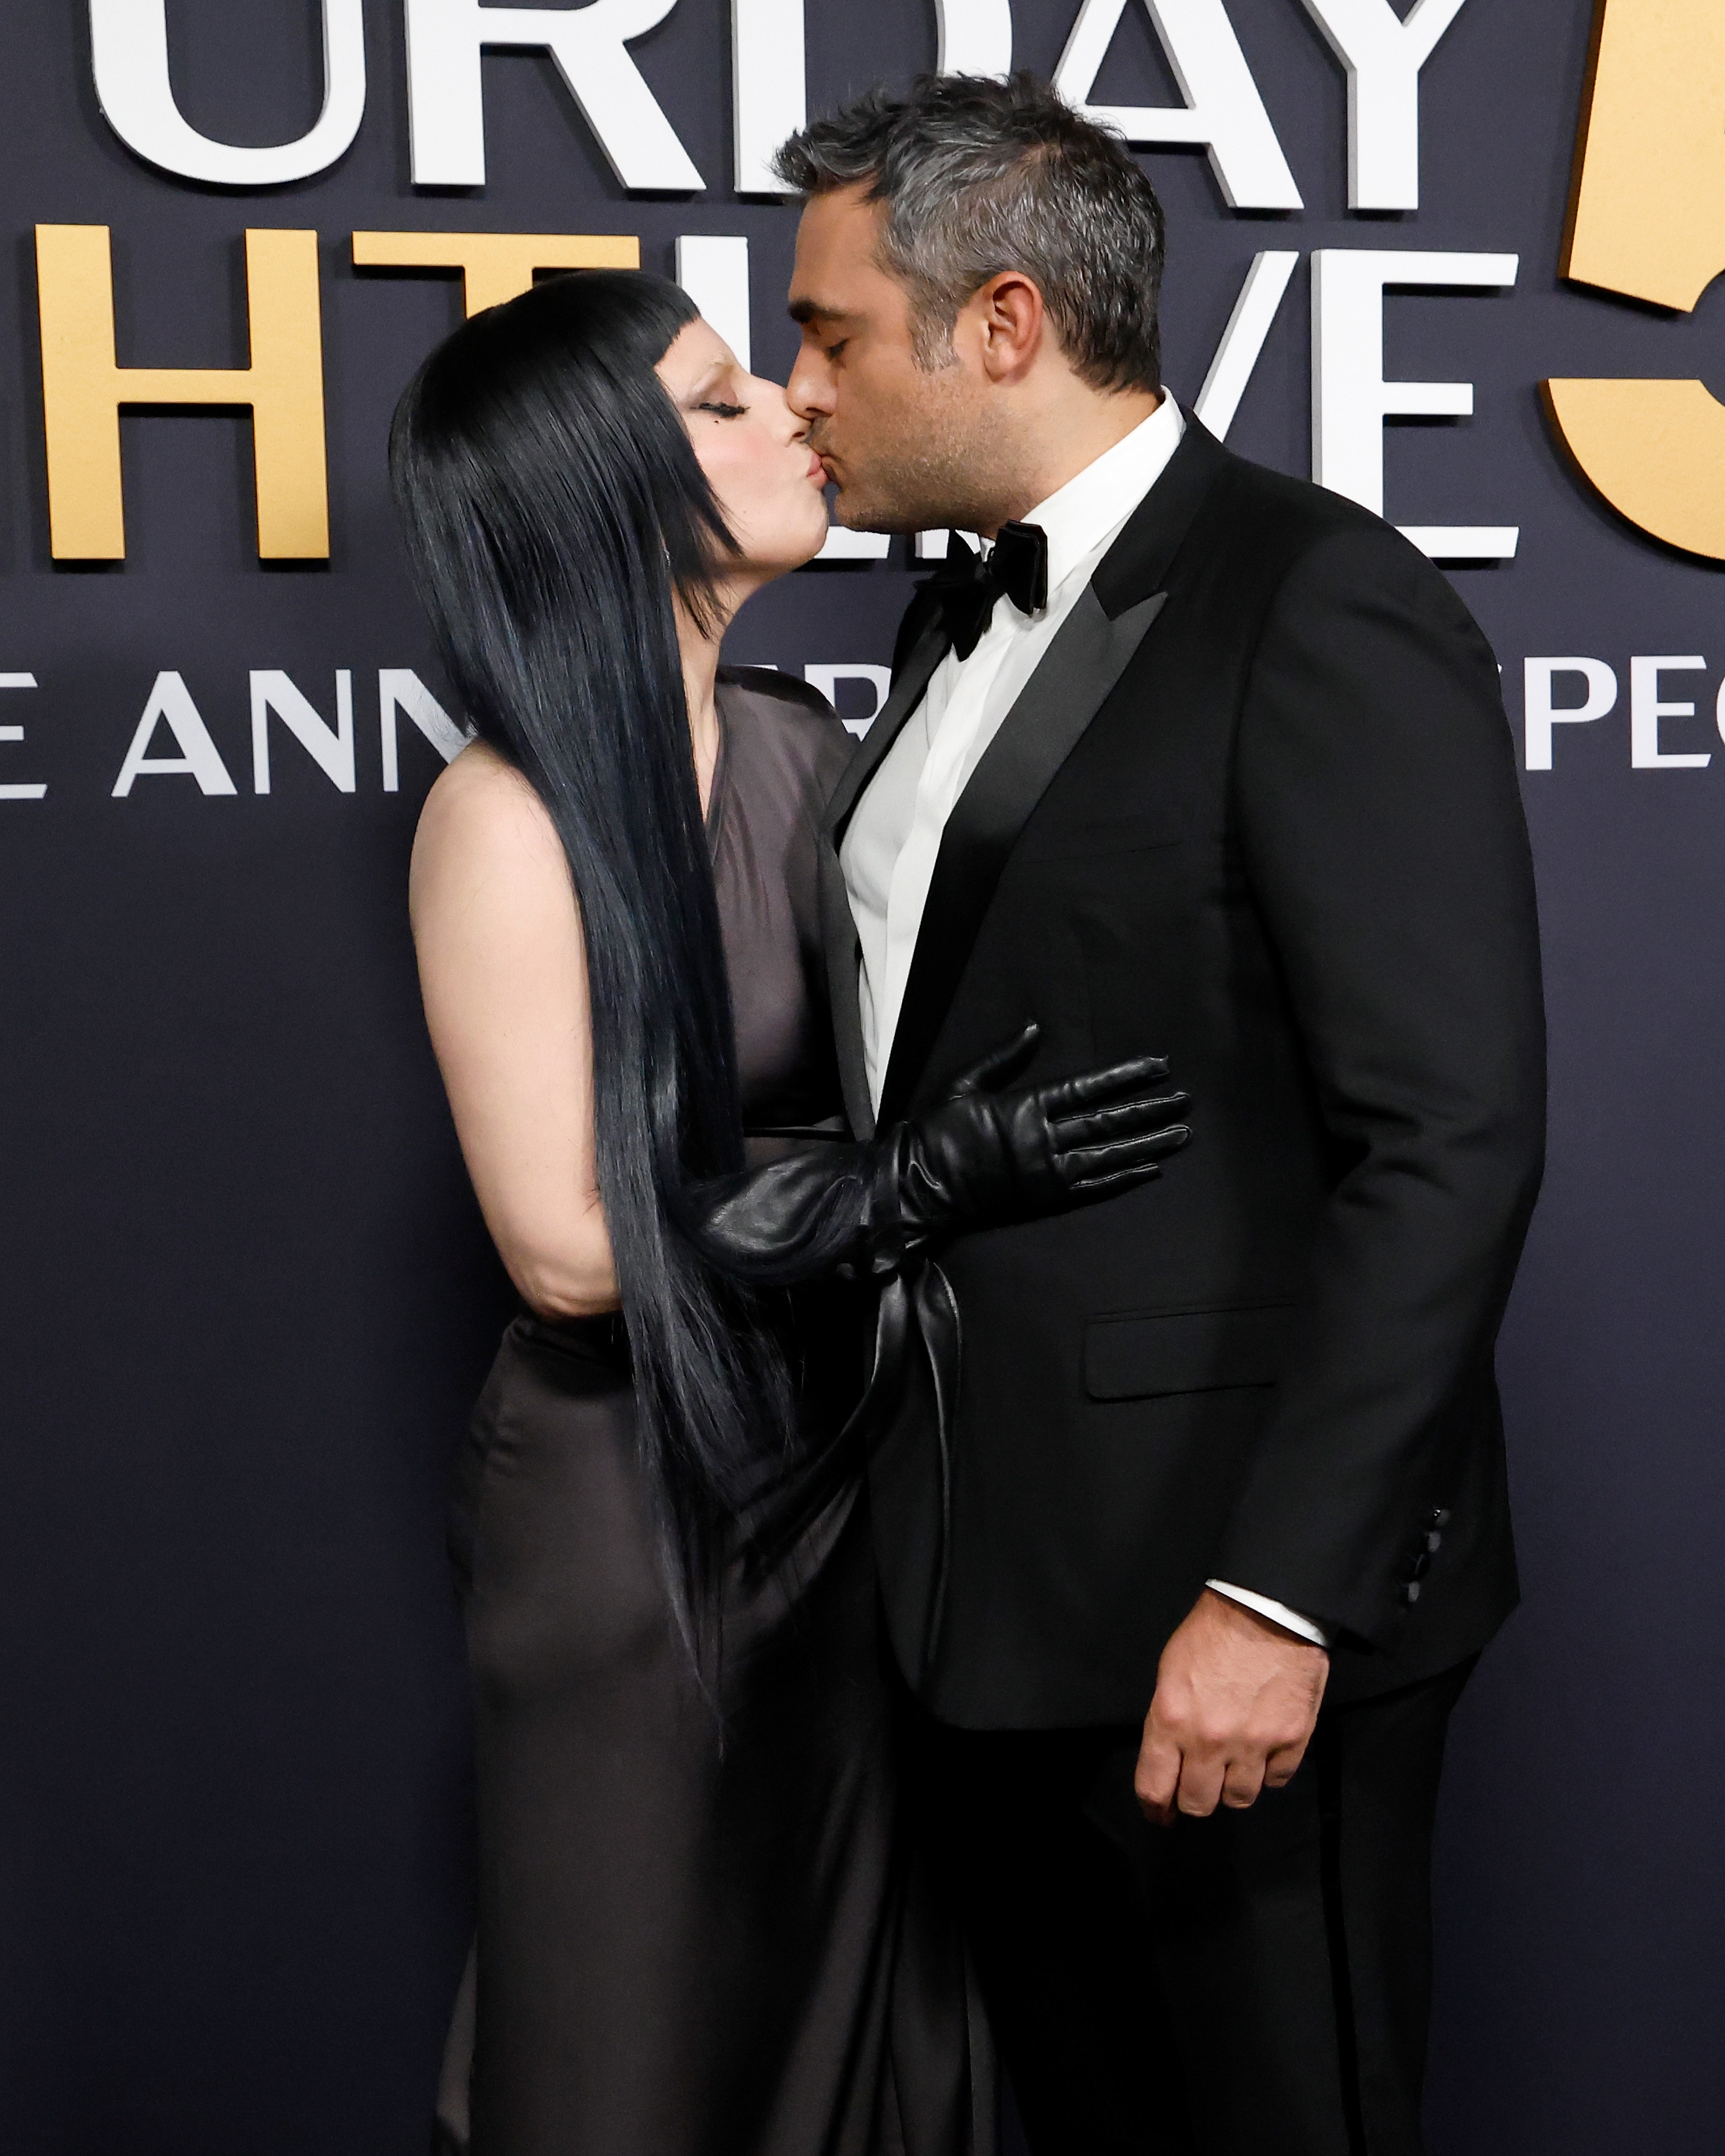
(817, 469)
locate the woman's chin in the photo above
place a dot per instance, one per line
(794, 549)
(813, 535)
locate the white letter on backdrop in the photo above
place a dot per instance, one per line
(845, 545)
(330, 746)
(129, 45)
(769, 87)
(399, 689)
(975, 37)
(714, 274)
(1223, 109)
(446, 40)
(1383, 53)
(827, 678)
(1646, 710)
(19, 789)
(1540, 714)
(171, 700)
(1351, 400)
(1243, 341)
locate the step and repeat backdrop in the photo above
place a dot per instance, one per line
(1457, 260)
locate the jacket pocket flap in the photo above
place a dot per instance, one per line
(1185, 1350)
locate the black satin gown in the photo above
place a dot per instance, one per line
(686, 1948)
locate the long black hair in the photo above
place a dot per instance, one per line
(554, 510)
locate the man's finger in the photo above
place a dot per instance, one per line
(1158, 1774)
(1282, 1765)
(1243, 1783)
(1201, 1775)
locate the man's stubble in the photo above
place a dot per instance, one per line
(940, 459)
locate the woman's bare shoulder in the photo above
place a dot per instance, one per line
(480, 791)
(483, 824)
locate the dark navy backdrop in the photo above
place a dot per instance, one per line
(243, 1296)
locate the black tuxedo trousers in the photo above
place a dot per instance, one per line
(1257, 810)
(1258, 1981)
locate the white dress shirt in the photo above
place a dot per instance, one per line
(894, 838)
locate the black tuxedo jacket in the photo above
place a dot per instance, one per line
(1257, 810)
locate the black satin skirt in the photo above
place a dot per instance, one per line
(685, 1946)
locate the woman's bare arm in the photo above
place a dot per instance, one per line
(503, 972)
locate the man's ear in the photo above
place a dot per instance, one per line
(1009, 321)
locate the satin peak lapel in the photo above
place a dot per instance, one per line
(1078, 671)
(838, 928)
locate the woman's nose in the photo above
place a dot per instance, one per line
(788, 424)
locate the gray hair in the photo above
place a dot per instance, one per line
(980, 176)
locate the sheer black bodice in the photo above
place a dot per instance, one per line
(687, 1948)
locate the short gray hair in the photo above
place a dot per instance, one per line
(981, 176)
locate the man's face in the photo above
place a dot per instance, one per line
(910, 448)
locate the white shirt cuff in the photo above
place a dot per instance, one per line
(1278, 1612)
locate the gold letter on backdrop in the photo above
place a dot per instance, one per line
(1649, 222)
(496, 265)
(84, 389)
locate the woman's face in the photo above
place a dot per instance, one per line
(754, 451)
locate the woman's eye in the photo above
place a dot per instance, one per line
(723, 411)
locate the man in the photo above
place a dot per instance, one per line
(1206, 761)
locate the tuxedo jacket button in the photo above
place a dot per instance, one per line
(1440, 1517)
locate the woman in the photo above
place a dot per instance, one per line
(698, 1930)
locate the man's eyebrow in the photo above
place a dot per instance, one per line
(812, 310)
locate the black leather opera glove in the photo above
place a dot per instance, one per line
(987, 1155)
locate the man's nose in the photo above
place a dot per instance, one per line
(808, 390)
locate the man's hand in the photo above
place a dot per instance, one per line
(1236, 1700)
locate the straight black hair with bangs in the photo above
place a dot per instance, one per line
(554, 508)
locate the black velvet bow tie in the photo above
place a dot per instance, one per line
(969, 587)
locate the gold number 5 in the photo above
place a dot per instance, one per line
(1649, 222)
